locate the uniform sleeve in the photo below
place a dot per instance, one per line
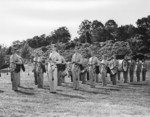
(81, 59)
(63, 59)
(50, 55)
(72, 59)
(98, 62)
(146, 66)
(58, 58)
(11, 60)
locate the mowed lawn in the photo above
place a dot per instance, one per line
(122, 100)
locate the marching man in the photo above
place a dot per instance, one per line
(54, 58)
(15, 73)
(125, 72)
(114, 69)
(131, 69)
(103, 70)
(93, 62)
(144, 70)
(138, 69)
(35, 60)
(77, 61)
(61, 71)
(39, 71)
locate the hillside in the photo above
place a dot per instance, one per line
(108, 48)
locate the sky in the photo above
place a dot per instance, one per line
(24, 19)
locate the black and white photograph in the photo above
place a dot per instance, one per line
(74, 58)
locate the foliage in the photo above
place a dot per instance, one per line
(26, 51)
(3, 51)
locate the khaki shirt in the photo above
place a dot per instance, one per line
(144, 66)
(77, 58)
(132, 65)
(104, 63)
(85, 62)
(93, 61)
(55, 57)
(13, 60)
(114, 64)
(138, 66)
(62, 59)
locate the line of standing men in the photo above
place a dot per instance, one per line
(81, 68)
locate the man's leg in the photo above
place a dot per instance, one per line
(103, 78)
(131, 75)
(138, 76)
(55, 80)
(59, 78)
(114, 79)
(35, 78)
(15, 81)
(74, 77)
(119, 75)
(143, 75)
(77, 81)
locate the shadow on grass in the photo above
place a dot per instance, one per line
(139, 84)
(70, 96)
(25, 92)
(1, 91)
(87, 91)
(108, 89)
(95, 92)
(26, 87)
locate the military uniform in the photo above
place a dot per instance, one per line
(125, 73)
(15, 74)
(34, 69)
(93, 62)
(138, 70)
(61, 71)
(52, 70)
(83, 74)
(76, 60)
(21, 62)
(39, 72)
(114, 70)
(131, 70)
(144, 70)
(103, 71)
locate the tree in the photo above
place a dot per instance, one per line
(3, 51)
(85, 30)
(97, 30)
(61, 35)
(26, 51)
(111, 26)
(125, 32)
(143, 28)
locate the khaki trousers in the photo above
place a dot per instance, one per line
(15, 78)
(52, 77)
(76, 76)
(92, 75)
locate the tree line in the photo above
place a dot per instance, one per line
(137, 36)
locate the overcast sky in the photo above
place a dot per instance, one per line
(23, 19)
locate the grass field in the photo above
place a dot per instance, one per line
(122, 100)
